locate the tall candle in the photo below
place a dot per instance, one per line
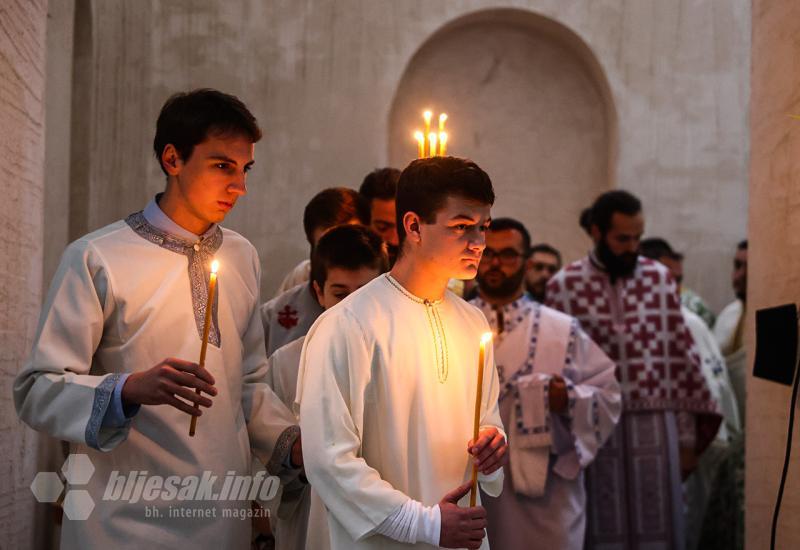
(212, 286)
(476, 425)
(442, 144)
(432, 141)
(427, 115)
(442, 119)
(421, 144)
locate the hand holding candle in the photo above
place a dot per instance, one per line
(485, 339)
(212, 286)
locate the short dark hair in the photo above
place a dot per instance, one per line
(348, 247)
(585, 220)
(425, 184)
(189, 118)
(545, 248)
(505, 224)
(742, 245)
(656, 247)
(381, 184)
(330, 207)
(607, 204)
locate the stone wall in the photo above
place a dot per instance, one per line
(322, 78)
(22, 93)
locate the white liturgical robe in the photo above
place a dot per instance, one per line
(302, 523)
(544, 499)
(386, 394)
(123, 299)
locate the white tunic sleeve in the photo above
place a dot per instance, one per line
(334, 374)
(55, 392)
(270, 424)
(595, 405)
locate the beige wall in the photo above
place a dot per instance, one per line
(22, 70)
(322, 76)
(774, 258)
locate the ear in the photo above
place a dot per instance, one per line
(171, 160)
(318, 292)
(596, 234)
(411, 223)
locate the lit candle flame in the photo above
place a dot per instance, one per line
(486, 338)
(442, 144)
(420, 137)
(214, 266)
(442, 119)
(432, 140)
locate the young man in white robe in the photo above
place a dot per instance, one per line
(328, 208)
(388, 381)
(346, 258)
(113, 368)
(559, 399)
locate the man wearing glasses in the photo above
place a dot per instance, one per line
(543, 262)
(558, 397)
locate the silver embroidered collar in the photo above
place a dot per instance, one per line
(199, 254)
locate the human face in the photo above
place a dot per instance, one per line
(618, 249)
(452, 245)
(340, 283)
(740, 274)
(383, 220)
(203, 189)
(541, 267)
(502, 268)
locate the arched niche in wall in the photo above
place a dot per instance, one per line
(528, 101)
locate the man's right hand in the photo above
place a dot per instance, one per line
(461, 527)
(170, 379)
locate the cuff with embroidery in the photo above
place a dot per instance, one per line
(118, 413)
(413, 522)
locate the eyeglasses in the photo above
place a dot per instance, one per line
(505, 256)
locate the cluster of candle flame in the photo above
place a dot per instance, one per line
(431, 144)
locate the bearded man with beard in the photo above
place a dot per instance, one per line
(630, 306)
(558, 397)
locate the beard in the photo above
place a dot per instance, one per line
(618, 266)
(507, 286)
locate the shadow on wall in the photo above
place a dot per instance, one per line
(528, 101)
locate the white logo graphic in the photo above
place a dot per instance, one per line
(48, 486)
(137, 486)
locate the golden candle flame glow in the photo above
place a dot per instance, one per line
(214, 266)
(442, 119)
(486, 338)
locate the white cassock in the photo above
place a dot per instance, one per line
(544, 498)
(728, 330)
(302, 521)
(299, 274)
(386, 394)
(700, 485)
(124, 298)
(288, 316)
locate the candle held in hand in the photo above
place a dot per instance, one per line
(212, 287)
(485, 339)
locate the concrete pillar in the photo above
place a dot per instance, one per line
(773, 258)
(22, 70)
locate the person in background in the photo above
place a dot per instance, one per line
(544, 261)
(378, 191)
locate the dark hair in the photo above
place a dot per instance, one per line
(546, 249)
(609, 203)
(330, 207)
(380, 184)
(656, 247)
(425, 184)
(505, 224)
(348, 247)
(189, 118)
(585, 220)
(742, 245)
